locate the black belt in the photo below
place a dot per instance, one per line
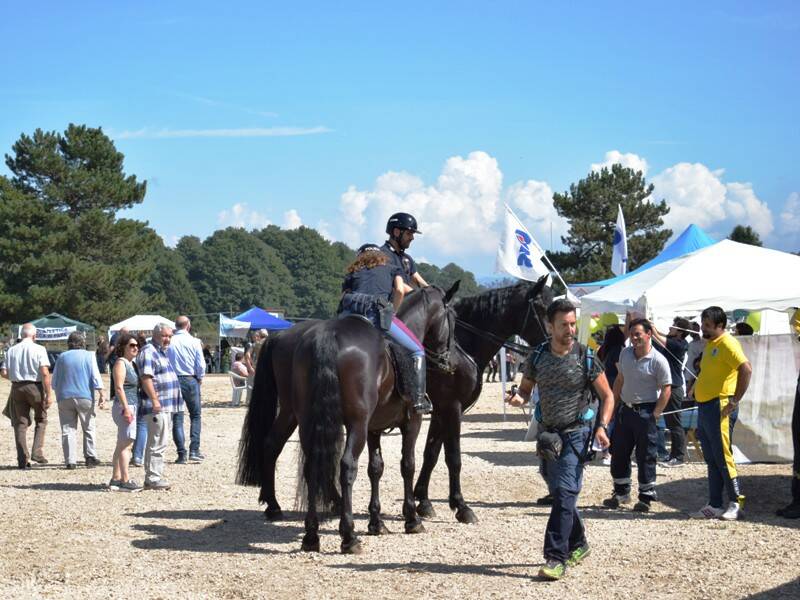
(192, 376)
(638, 407)
(26, 382)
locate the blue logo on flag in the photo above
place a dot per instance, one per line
(524, 256)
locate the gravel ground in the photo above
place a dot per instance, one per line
(63, 535)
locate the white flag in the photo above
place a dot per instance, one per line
(619, 252)
(232, 328)
(519, 255)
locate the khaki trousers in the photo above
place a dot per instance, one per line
(27, 396)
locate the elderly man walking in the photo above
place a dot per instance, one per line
(75, 378)
(722, 381)
(643, 388)
(186, 357)
(163, 392)
(28, 368)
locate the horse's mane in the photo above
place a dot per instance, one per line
(494, 302)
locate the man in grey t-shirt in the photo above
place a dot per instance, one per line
(643, 388)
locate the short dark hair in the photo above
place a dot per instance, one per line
(716, 315)
(682, 324)
(646, 325)
(562, 305)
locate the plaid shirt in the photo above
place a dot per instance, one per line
(154, 362)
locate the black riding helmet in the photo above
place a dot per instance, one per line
(368, 248)
(402, 221)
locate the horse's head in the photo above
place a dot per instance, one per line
(529, 302)
(426, 313)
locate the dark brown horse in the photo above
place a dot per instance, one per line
(330, 375)
(484, 323)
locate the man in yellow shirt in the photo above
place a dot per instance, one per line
(722, 381)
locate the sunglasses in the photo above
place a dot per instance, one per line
(134, 345)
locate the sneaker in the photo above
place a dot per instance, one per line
(71, 466)
(181, 460)
(553, 570)
(136, 463)
(160, 485)
(577, 555)
(707, 512)
(641, 506)
(617, 500)
(196, 458)
(40, 459)
(673, 462)
(545, 500)
(92, 461)
(792, 511)
(733, 512)
(114, 484)
(131, 486)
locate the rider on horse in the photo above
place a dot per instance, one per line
(401, 228)
(374, 288)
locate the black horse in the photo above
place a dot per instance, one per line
(326, 375)
(484, 323)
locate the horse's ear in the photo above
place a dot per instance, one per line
(538, 286)
(451, 292)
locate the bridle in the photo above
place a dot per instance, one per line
(513, 346)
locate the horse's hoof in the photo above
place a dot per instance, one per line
(379, 529)
(417, 527)
(310, 544)
(353, 547)
(465, 515)
(425, 509)
(273, 514)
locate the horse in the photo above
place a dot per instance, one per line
(484, 322)
(325, 375)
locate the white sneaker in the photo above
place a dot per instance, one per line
(732, 512)
(708, 512)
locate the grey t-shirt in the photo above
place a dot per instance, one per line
(643, 377)
(562, 383)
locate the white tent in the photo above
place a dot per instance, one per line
(143, 323)
(730, 275)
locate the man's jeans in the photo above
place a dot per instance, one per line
(635, 428)
(674, 424)
(565, 531)
(190, 390)
(141, 437)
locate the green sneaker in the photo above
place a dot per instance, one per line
(553, 570)
(577, 555)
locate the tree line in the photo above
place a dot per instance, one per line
(63, 247)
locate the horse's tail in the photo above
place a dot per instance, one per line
(261, 414)
(322, 432)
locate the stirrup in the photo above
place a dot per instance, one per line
(423, 406)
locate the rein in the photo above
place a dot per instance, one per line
(441, 360)
(513, 346)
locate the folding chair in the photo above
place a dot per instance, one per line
(238, 386)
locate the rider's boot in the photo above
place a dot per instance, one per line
(422, 403)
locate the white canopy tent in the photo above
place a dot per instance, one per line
(733, 276)
(143, 323)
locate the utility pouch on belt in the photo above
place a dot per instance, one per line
(549, 445)
(385, 314)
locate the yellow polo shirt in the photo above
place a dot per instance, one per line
(718, 368)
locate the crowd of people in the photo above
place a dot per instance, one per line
(153, 382)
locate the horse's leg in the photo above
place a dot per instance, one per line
(410, 431)
(452, 457)
(433, 445)
(356, 439)
(375, 471)
(311, 538)
(281, 430)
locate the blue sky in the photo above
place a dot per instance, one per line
(337, 114)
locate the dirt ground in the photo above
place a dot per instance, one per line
(63, 535)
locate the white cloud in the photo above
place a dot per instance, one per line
(535, 200)
(630, 160)
(291, 219)
(147, 133)
(240, 215)
(459, 215)
(789, 226)
(696, 194)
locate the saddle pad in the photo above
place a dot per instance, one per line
(403, 367)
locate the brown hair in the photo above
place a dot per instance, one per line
(368, 260)
(122, 341)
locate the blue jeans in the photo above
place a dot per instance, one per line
(565, 531)
(190, 390)
(714, 431)
(141, 437)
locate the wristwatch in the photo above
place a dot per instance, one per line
(603, 426)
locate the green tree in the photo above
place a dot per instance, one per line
(590, 206)
(76, 171)
(234, 269)
(317, 268)
(745, 234)
(448, 275)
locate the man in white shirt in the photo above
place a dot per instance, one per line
(186, 357)
(28, 368)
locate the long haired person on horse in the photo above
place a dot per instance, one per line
(374, 288)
